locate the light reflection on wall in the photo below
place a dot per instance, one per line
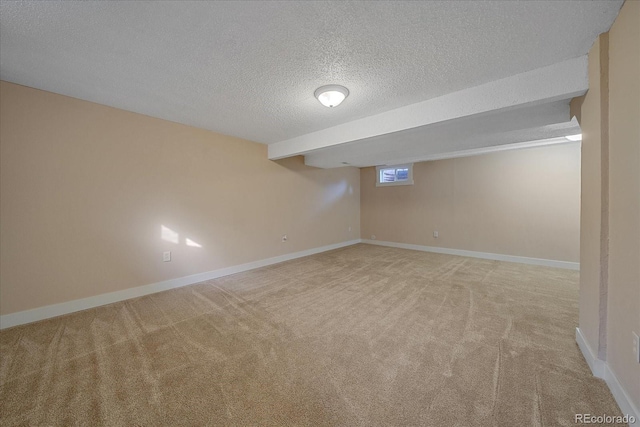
(193, 244)
(168, 235)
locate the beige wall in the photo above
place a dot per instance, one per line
(85, 189)
(624, 200)
(523, 203)
(610, 234)
(591, 205)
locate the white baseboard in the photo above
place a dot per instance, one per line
(46, 312)
(597, 366)
(474, 254)
(620, 395)
(601, 369)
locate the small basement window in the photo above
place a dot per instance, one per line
(394, 175)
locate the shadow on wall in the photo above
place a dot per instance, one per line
(332, 192)
(294, 164)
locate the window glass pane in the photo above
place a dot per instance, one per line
(402, 174)
(387, 175)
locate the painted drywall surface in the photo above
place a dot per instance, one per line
(523, 203)
(85, 190)
(590, 208)
(624, 198)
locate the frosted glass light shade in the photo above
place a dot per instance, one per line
(331, 95)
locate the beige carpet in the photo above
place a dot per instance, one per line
(360, 336)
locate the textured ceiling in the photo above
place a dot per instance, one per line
(540, 87)
(249, 69)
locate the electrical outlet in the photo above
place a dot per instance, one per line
(373, 237)
(435, 234)
(349, 229)
(284, 238)
(166, 256)
(636, 347)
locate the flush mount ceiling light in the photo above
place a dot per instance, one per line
(577, 137)
(331, 95)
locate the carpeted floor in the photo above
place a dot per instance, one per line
(360, 336)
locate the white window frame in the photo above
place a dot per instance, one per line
(408, 181)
